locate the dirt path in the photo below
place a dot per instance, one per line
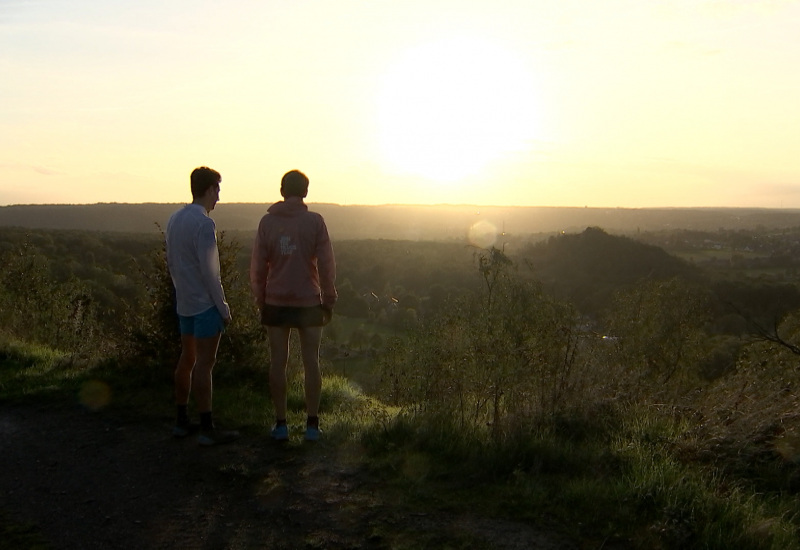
(101, 481)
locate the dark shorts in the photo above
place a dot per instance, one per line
(294, 317)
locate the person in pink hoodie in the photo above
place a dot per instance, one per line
(292, 276)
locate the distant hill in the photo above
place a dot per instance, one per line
(588, 267)
(406, 222)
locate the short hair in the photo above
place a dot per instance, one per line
(294, 184)
(203, 178)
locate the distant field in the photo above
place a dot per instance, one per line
(716, 255)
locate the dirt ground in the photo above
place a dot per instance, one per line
(99, 480)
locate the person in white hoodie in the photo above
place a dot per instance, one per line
(203, 312)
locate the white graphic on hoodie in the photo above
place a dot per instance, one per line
(286, 247)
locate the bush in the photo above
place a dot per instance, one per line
(154, 334)
(154, 331)
(491, 362)
(34, 307)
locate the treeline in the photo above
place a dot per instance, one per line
(393, 281)
(408, 222)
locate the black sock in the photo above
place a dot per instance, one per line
(312, 422)
(205, 421)
(183, 415)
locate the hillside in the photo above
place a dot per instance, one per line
(588, 267)
(440, 222)
(685, 400)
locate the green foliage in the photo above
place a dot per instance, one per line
(155, 334)
(36, 307)
(28, 369)
(687, 506)
(678, 429)
(587, 268)
(759, 304)
(243, 343)
(350, 303)
(20, 535)
(383, 275)
(500, 359)
(507, 381)
(658, 331)
(748, 423)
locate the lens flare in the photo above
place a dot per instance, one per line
(788, 446)
(416, 467)
(94, 395)
(482, 234)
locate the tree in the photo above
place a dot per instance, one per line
(658, 327)
(35, 307)
(500, 357)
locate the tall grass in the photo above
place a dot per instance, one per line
(612, 436)
(28, 369)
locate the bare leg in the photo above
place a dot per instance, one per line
(310, 338)
(279, 359)
(201, 381)
(183, 371)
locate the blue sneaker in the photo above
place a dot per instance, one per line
(210, 438)
(182, 430)
(280, 433)
(312, 434)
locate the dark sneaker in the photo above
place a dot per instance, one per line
(209, 438)
(280, 433)
(182, 430)
(312, 433)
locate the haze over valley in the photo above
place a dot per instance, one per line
(409, 222)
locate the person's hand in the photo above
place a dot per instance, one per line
(327, 314)
(227, 321)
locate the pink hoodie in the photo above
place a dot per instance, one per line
(292, 262)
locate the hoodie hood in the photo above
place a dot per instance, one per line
(291, 206)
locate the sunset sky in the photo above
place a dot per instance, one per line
(486, 102)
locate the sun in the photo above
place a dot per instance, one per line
(449, 108)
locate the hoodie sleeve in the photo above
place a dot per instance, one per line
(326, 264)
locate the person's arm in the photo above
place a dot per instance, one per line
(326, 265)
(259, 269)
(168, 248)
(208, 253)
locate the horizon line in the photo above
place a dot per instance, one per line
(411, 205)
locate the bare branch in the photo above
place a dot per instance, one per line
(766, 335)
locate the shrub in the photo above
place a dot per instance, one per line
(154, 332)
(34, 307)
(658, 335)
(491, 361)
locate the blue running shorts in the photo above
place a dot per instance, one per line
(203, 325)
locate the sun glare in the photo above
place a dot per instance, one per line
(449, 108)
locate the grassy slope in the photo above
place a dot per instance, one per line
(613, 477)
